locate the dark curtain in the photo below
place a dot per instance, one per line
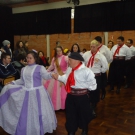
(116, 17)
(43, 22)
(121, 16)
(110, 16)
(128, 21)
(6, 25)
(24, 23)
(54, 21)
(91, 17)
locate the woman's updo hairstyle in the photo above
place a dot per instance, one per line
(35, 55)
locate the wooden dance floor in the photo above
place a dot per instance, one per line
(115, 116)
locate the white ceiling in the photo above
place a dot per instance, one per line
(55, 5)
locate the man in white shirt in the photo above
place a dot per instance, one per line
(78, 81)
(130, 65)
(108, 55)
(97, 62)
(121, 53)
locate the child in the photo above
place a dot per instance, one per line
(25, 105)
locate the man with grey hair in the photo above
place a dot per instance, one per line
(79, 80)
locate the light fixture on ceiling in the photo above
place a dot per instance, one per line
(68, 1)
(75, 2)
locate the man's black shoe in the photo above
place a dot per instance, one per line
(126, 86)
(71, 133)
(111, 89)
(84, 132)
(103, 95)
(94, 115)
(118, 91)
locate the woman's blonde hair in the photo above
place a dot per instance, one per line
(95, 42)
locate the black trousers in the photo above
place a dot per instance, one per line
(1, 86)
(129, 71)
(103, 80)
(95, 95)
(133, 61)
(78, 112)
(116, 73)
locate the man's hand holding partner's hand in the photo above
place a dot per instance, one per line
(55, 76)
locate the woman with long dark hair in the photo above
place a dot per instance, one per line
(19, 49)
(42, 59)
(26, 48)
(75, 48)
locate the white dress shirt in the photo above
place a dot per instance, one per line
(100, 63)
(84, 78)
(107, 53)
(0, 54)
(124, 51)
(132, 48)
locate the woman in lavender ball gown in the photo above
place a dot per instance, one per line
(25, 105)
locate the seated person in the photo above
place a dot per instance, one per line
(6, 68)
(0, 84)
(42, 59)
(1, 51)
(6, 47)
(19, 64)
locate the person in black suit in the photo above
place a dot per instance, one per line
(19, 64)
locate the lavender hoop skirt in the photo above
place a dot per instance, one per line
(26, 111)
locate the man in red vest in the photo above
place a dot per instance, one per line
(79, 80)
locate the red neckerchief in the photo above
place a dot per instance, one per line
(71, 80)
(91, 60)
(43, 59)
(117, 50)
(99, 47)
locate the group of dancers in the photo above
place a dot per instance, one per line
(73, 83)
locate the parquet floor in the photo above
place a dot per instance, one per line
(115, 116)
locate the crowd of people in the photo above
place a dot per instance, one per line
(74, 80)
(16, 59)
